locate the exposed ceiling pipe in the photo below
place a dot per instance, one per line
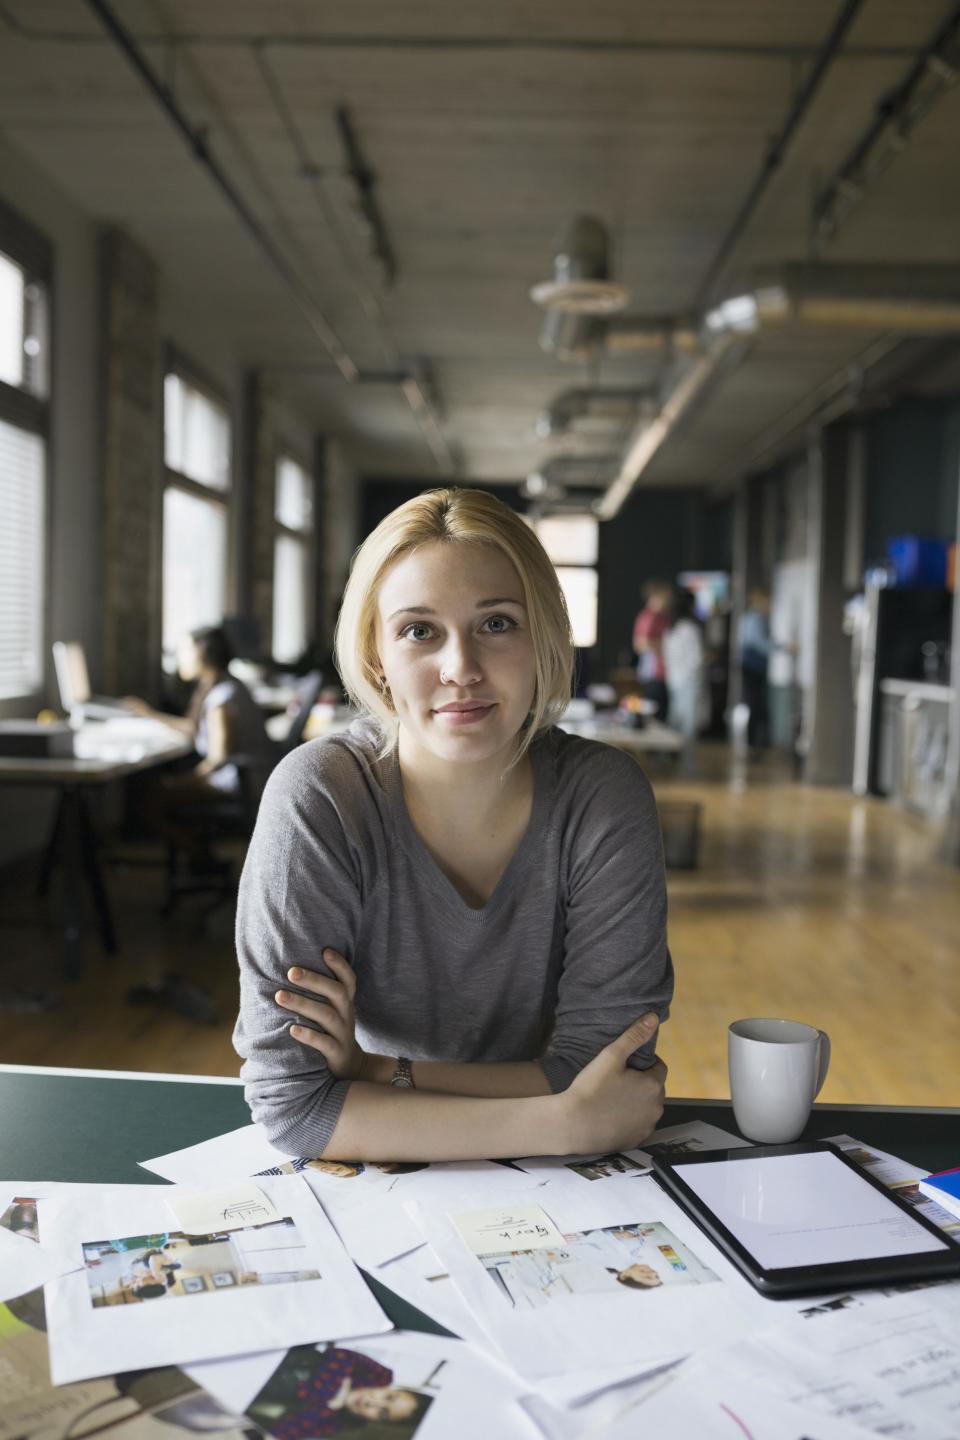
(935, 69)
(775, 153)
(196, 139)
(726, 351)
(600, 402)
(418, 395)
(911, 299)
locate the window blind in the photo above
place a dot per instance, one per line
(22, 467)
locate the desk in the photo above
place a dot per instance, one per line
(104, 752)
(654, 738)
(94, 1125)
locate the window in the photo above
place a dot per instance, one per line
(196, 449)
(572, 542)
(292, 587)
(25, 263)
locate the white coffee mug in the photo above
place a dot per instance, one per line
(777, 1070)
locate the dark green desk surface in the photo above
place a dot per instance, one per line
(88, 1126)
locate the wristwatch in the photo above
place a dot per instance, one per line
(403, 1074)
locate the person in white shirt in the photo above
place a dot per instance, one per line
(683, 662)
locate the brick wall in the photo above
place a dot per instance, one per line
(131, 467)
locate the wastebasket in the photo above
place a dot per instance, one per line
(680, 826)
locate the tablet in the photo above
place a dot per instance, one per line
(797, 1219)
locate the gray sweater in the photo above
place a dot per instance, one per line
(570, 947)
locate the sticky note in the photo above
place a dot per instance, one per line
(205, 1212)
(525, 1227)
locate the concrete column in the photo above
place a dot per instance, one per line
(747, 567)
(951, 834)
(262, 462)
(830, 709)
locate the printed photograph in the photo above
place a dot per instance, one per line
(20, 1217)
(676, 1149)
(323, 1390)
(604, 1166)
(619, 1258)
(347, 1169)
(140, 1268)
(160, 1404)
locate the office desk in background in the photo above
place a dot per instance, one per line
(103, 753)
(94, 1125)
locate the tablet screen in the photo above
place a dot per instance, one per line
(808, 1209)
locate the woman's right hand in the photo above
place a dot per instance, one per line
(609, 1106)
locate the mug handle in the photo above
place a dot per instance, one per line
(824, 1061)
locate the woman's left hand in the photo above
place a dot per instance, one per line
(332, 1013)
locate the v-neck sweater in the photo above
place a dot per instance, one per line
(569, 949)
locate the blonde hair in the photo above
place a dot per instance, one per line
(472, 517)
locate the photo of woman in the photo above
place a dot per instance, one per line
(320, 1391)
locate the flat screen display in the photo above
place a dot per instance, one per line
(808, 1209)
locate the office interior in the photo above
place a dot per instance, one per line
(680, 283)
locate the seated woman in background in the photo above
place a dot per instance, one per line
(225, 725)
(464, 906)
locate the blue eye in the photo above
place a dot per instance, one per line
(505, 620)
(417, 625)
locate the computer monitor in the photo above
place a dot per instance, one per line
(73, 679)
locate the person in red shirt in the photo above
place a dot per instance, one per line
(341, 1389)
(649, 628)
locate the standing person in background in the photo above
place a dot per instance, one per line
(649, 628)
(755, 647)
(683, 664)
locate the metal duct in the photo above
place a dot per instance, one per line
(581, 291)
(555, 476)
(911, 299)
(600, 402)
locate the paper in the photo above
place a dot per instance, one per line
(25, 1263)
(894, 1370)
(670, 1143)
(234, 1206)
(900, 1177)
(405, 1384)
(420, 1279)
(148, 1295)
(703, 1401)
(646, 1282)
(523, 1227)
(144, 1406)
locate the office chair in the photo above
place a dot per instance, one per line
(309, 689)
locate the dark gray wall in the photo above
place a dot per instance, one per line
(911, 472)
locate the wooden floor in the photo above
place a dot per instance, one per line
(807, 904)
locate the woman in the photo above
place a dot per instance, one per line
(337, 1391)
(465, 906)
(227, 731)
(683, 662)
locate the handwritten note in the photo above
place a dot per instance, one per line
(525, 1227)
(205, 1212)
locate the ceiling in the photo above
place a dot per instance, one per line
(486, 127)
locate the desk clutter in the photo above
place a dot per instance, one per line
(580, 1301)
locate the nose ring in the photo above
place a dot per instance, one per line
(443, 678)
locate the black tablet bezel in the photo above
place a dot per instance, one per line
(808, 1279)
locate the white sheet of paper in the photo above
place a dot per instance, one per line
(24, 1265)
(212, 1307)
(519, 1227)
(574, 1305)
(421, 1279)
(703, 1401)
(467, 1394)
(673, 1140)
(896, 1367)
(201, 1212)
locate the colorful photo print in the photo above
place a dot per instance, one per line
(20, 1216)
(140, 1268)
(347, 1169)
(604, 1166)
(356, 1389)
(676, 1149)
(139, 1405)
(615, 1260)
